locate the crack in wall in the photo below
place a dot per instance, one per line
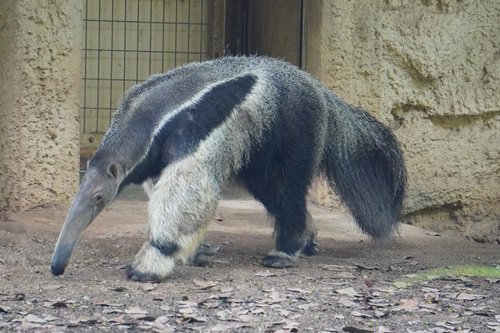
(459, 121)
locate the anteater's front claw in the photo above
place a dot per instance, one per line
(136, 275)
(203, 254)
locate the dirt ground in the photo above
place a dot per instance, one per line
(352, 285)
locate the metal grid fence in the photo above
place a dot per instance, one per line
(125, 41)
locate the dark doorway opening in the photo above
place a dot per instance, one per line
(266, 27)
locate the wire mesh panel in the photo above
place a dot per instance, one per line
(125, 41)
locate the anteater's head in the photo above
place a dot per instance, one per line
(98, 188)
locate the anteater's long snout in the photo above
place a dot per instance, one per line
(60, 258)
(80, 215)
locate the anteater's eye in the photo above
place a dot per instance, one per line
(98, 198)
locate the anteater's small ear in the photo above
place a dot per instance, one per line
(113, 170)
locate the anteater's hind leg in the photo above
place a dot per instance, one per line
(311, 246)
(294, 234)
(285, 199)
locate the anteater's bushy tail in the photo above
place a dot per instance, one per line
(365, 166)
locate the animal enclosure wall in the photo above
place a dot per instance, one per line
(431, 71)
(39, 92)
(124, 42)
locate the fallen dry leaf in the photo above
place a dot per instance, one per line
(407, 305)
(266, 273)
(227, 327)
(275, 298)
(83, 321)
(495, 329)
(291, 325)
(34, 319)
(145, 318)
(187, 310)
(226, 290)
(364, 267)
(257, 311)
(190, 313)
(352, 329)
(343, 275)
(335, 268)
(103, 303)
(379, 302)
(165, 307)
(4, 308)
(192, 318)
(162, 319)
(383, 329)
(368, 282)
(205, 284)
(57, 304)
(148, 286)
(469, 297)
(308, 306)
(361, 314)
(245, 318)
(224, 315)
(348, 303)
(347, 291)
(445, 325)
(49, 317)
(299, 290)
(185, 304)
(135, 310)
(52, 287)
(113, 311)
(379, 314)
(117, 320)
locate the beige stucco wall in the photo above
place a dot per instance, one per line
(429, 69)
(39, 97)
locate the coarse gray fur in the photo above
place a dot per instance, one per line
(271, 127)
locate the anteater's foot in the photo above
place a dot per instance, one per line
(311, 247)
(150, 265)
(136, 275)
(278, 259)
(203, 255)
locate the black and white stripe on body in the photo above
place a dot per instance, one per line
(261, 122)
(185, 195)
(224, 129)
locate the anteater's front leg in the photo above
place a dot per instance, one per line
(182, 203)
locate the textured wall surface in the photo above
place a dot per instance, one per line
(429, 69)
(39, 95)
